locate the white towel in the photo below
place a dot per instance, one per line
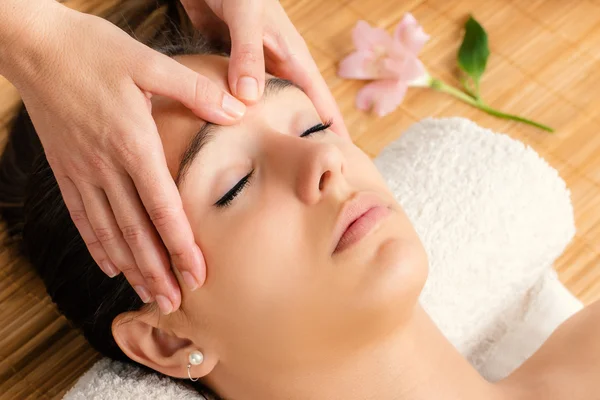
(493, 217)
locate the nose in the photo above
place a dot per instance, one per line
(321, 172)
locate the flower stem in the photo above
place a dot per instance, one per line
(478, 103)
(501, 114)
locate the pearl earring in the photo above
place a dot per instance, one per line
(195, 358)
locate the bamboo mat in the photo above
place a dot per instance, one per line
(544, 65)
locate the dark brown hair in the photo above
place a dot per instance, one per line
(38, 223)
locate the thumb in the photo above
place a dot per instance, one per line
(164, 76)
(247, 62)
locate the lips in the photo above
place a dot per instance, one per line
(358, 217)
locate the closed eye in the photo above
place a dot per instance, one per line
(228, 197)
(317, 128)
(234, 191)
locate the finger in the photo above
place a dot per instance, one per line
(109, 236)
(162, 202)
(306, 75)
(288, 57)
(316, 89)
(247, 61)
(76, 207)
(145, 245)
(166, 77)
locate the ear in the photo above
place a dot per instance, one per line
(138, 335)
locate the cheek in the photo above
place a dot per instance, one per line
(361, 172)
(264, 278)
(258, 264)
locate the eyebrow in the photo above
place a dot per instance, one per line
(207, 132)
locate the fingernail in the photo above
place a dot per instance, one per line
(247, 88)
(200, 266)
(164, 304)
(143, 293)
(189, 280)
(233, 106)
(110, 269)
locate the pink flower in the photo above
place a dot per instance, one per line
(392, 60)
(411, 34)
(383, 96)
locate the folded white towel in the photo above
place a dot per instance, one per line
(493, 217)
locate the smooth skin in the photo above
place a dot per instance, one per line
(87, 87)
(281, 316)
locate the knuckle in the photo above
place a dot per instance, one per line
(100, 260)
(290, 46)
(296, 48)
(98, 163)
(135, 139)
(178, 255)
(79, 170)
(104, 235)
(130, 153)
(133, 234)
(204, 92)
(127, 268)
(93, 244)
(180, 258)
(162, 216)
(247, 54)
(153, 278)
(78, 216)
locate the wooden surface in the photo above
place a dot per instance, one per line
(545, 64)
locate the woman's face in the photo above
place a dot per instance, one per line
(268, 207)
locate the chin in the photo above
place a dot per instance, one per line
(400, 272)
(391, 292)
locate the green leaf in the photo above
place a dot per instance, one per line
(474, 52)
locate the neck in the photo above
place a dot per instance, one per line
(417, 363)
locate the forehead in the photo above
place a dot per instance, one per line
(176, 124)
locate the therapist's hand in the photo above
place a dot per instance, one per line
(262, 35)
(86, 85)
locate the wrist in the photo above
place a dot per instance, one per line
(26, 26)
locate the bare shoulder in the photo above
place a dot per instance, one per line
(567, 366)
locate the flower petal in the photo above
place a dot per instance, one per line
(382, 96)
(407, 69)
(423, 80)
(358, 65)
(366, 37)
(360, 35)
(410, 34)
